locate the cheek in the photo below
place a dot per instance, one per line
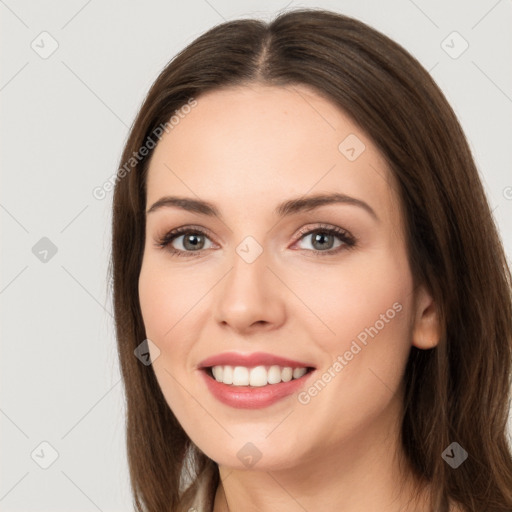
(153, 297)
(164, 298)
(366, 305)
(367, 295)
(164, 302)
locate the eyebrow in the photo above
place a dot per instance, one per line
(290, 207)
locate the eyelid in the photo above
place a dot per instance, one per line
(309, 229)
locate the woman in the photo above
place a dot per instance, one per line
(372, 373)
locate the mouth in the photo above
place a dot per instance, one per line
(253, 380)
(257, 387)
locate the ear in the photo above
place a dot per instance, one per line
(426, 330)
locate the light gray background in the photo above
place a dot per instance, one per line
(64, 121)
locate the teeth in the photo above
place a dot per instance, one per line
(287, 374)
(299, 372)
(257, 376)
(218, 372)
(227, 376)
(274, 375)
(240, 376)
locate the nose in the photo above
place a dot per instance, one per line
(250, 298)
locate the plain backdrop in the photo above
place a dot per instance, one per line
(73, 76)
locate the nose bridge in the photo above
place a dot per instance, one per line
(248, 294)
(248, 271)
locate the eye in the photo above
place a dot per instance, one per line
(193, 241)
(323, 239)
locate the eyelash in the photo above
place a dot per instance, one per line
(344, 236)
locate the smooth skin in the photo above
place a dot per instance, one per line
(247, 149)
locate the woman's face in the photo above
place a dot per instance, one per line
(324, 284)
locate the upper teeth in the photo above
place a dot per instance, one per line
(257, 376)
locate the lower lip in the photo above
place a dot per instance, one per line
(247, 397)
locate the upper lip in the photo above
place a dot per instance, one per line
(250, 360)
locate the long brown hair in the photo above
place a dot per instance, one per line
(456, 392)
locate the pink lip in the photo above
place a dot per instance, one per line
(251, 360)
(247, 397)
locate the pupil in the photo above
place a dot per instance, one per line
(320, 237)
(192, 240)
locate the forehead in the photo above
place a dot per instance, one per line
(256, 145)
